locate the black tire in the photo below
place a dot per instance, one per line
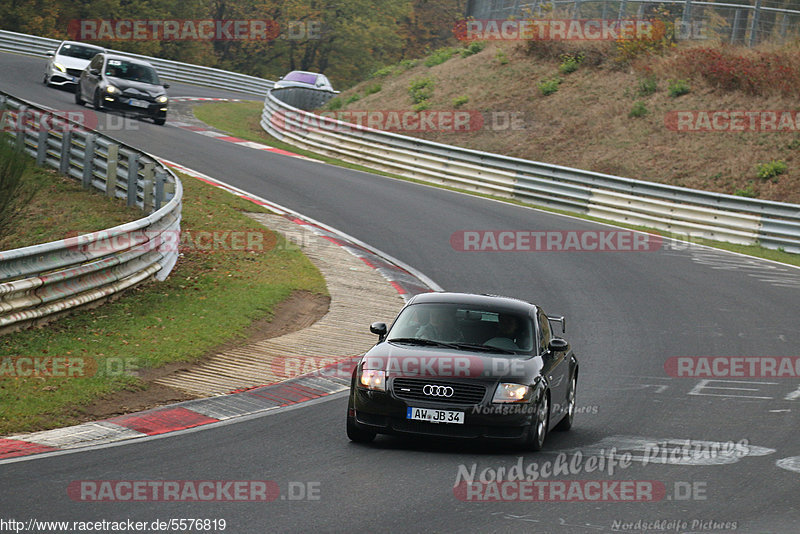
(566, 422)
(160, 120)
(78, 98)
(537, 433)
(356, 433)
(45, 81)
(97, 102)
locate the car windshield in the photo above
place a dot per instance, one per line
(135, 72)
(466, 327)
(302, 77)
(78, 51)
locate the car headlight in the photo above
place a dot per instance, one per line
(60, 67)
(508, 392)
(161, 99)
(111, 89)
(373, 379)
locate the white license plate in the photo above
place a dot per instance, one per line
(435, 416)
(138, 103)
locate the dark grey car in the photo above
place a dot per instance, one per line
(125, 84)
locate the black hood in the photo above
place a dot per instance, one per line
(133, 89)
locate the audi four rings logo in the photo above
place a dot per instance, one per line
(437, 391)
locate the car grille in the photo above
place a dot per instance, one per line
(74, 72)
(462, 393)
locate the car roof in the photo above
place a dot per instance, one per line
(128, 59)
(87, 45)
(496, 301)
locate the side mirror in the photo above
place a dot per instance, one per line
(94, 72)
(280, 77)
(379, 329)
(165, 85)
(559, 319)
(558, 345)
(50, 53)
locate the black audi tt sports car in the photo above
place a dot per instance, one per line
(464, 365)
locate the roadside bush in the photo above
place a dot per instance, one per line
(647, 86)
(473, 48)
(570, 63)
(678, 88)
(548, 87)
(638, 110)
(460, 101)
(439, 56)
(372, 89)
(421, 89)
(13, 166)
(772, 169)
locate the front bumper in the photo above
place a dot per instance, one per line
(126, 105)
(59, 78)
(385, 413)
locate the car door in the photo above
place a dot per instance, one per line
(89, 81)
(555, 370)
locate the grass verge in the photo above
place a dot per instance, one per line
(59, 206)
(242, 119)
(209, 299)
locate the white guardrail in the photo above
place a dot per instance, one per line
(39, 282)
(683, 211)
(172, 71)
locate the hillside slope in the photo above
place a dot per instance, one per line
(587, 122)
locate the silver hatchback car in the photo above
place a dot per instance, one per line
(64, 65)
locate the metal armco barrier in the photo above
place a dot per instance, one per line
(304, 98)
(39, 282)
(169, 70)
(663, 207)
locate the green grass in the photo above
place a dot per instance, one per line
(210, 298)
(232, 117)
(60, 207)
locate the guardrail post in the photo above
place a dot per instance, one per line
(754, 25)
(623, 6)
(736, 27)
(19, 128)
(88, 161)
(111, 170)
(686, 19)
(66, 151)
(133, 179)
(148, 171)
(161, 177)
(41, 144)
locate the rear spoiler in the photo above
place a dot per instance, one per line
(559, 319)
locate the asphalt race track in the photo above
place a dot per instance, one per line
(627, 314)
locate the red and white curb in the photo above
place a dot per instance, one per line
(181, 416)
(204, 130)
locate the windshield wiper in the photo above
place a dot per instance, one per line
(421, 341)
(486, 348)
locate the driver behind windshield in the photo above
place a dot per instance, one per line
(440, 326)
